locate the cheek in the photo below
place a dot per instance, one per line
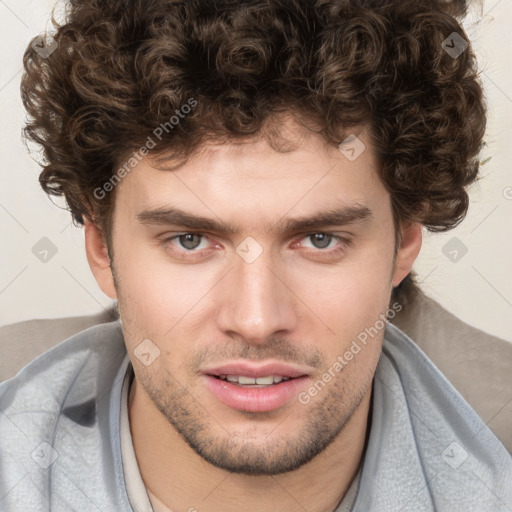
(348, 299)
(360, 282)
(157, 298)
(148, 290)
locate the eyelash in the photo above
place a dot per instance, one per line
(345, 243)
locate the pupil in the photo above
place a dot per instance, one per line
(321, 240)
(190, 241)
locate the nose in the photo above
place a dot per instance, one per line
(256, 301)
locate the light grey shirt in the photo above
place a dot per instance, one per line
(60, 435)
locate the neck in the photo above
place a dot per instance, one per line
(182, 480)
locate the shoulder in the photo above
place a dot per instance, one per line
(22, 342)
(56, 371)
(71, 372)
(477, 364)
(55, 419)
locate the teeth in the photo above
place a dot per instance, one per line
(251, 381)
(246, 380)
(264, 380)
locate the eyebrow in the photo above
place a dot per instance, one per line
(334, 217)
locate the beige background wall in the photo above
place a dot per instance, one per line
(477, 287)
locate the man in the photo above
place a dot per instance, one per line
(253, 179)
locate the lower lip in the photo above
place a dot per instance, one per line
(255, 399)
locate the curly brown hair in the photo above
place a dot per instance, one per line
(124, 67)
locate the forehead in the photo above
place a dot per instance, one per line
(254, 180)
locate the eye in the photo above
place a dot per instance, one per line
(188, 241)
(324, 244)
(320, 240)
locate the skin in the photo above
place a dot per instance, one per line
(298, 302)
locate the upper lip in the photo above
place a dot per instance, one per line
(248, 369)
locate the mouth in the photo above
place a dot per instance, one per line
(253, 382)
(255, 388)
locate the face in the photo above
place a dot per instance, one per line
(250, 274)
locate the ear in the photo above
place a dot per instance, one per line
(97, 256)
(409, 249)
